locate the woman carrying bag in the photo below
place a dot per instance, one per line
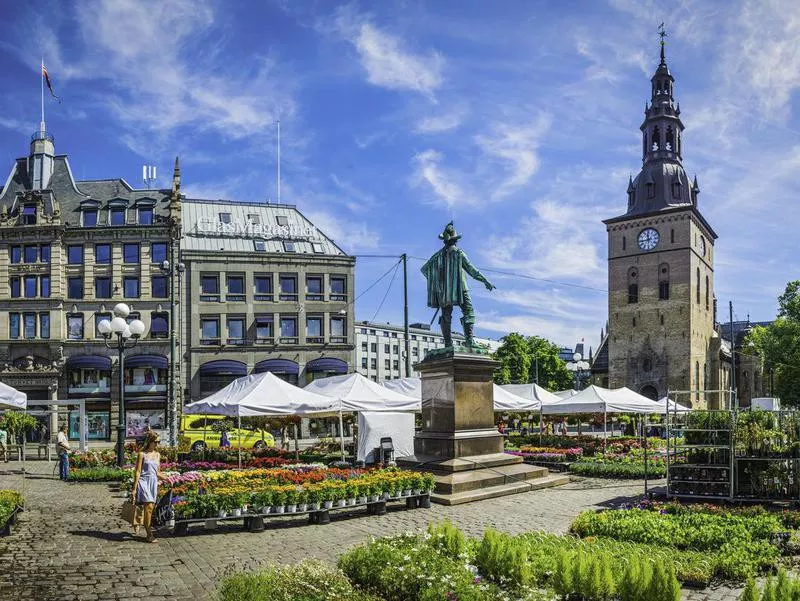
(145, 483)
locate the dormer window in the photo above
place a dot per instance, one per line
(224, 217)
(253, 218)
(116, 216)
(651, 190)
(282, 220)
(89, 217)
(28, 216)
(676, 189)
(145, 215)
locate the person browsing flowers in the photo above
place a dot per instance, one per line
(145, 481)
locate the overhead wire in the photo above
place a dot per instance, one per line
(386, 294)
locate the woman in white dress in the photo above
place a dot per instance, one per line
(145, 481)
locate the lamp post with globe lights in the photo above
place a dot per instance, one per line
(578, 366)
(127, 335)
(171, 272)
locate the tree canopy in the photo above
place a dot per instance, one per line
(778, 345)
(523, 360)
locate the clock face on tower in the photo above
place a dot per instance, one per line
(648, 239)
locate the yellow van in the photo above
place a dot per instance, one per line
(197, 428)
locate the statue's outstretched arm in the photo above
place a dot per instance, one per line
(472, 270)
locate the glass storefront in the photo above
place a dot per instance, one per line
(98, 425)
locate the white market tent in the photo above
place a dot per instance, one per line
(262, 394)
(354, 392)
(505, 397)
(595, 399)
(673, 407)
(11, 398)
(565, 394)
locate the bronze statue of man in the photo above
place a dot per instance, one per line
(447, 285)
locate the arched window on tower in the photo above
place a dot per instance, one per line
(698, 285)
(633, 286)
(623, 243)
(670, 143)
(656, 138)
(697, 380)
(663, 281)
(644, 142)
(676, 188)
(678, 142)
(706, 293)
(651, 188)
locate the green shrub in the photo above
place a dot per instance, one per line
(600, 468)
(501, 558)
(306, 581)
(100, 474)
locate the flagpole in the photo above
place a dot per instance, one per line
(279, 161)
(41, 78)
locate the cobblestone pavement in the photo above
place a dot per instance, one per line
(69, 543)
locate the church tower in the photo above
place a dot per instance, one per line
(661, 266)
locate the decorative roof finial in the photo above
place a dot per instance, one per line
(662, 32)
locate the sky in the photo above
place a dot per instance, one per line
(519, 120)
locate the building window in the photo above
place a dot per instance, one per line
(314, 329)
(663, 281)
(706, 293)
(415, 352)
(130, 253)
(697, 380)
(75, 326)
(74, 287)
(235, 330)
(28, 215)
(102, 287)
(386, 348)
(697, 281)
(373, 364)
(44, 286)
(396, 365)
(318, 248)
(282, 220)
(130, 287)
(363, 363)
(209, 288)
(102, 254)
(31, 254)
(364, 347)
(209, 330)
(254, 219)
(29, 325)
(634, 322)
(235, 285)
(159, 325)
(264, 329)
(75, 255)
(338, 288)
(90, 218)
(98, 317)
(263, 287)
(338, 333)
(624, 243)
(387, 363)
(158, 285)
(373, 347)
(288, 287)
(288, 246)
(651, 190)
(145, 216)
(15, 287)
(633, 293)
(314, 288)
(396, 349)
(13, 325)
(672, 236)
(117, 216)
(259, 246)
(158, 252)
(224, 217)
(15, 253)
(676, 189)
(289, 329)
(30, 286)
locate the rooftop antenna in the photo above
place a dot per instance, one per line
(279, 161)
(149, 175)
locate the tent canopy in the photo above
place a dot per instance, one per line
(357, 393)
(565, 394)
(12, 398)
(505, 399)
(673, 406)
(262, 394)
(532, 392)
(595, 399)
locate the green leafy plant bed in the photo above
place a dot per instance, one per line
(737, 545)
(10, 503)
(599, 467)
(100, 474)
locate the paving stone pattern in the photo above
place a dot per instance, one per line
(70, 544)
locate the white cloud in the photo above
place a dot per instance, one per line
(387, 60)
(350, 236)
(439, 123)
(443, 183)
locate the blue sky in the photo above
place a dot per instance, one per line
(520, 120)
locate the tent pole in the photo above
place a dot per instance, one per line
(239, 437)
(605, 428)
(296, 443)
(341, 431)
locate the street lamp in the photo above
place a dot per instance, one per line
(167, 270)
(578, 366)
(127, 335)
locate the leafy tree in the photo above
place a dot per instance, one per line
(515, 359)
(778, 345)
(17, 423)
(523, 360)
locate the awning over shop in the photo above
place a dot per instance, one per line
(224, 366)
(277, 366)
(157, 361)
(327, 364)
(89, 362)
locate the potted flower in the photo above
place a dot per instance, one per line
(326, 497)
(416, 485)
(313, 497)
(291, 500)
(302, 500)
(373, 493)
(278, 500)
(351, 492)
(222, 506)
(428, 483)
(361, 492)
(339, 494)
(263, 501)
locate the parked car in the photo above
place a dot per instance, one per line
(198, 429)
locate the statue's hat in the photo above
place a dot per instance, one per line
(449, 233)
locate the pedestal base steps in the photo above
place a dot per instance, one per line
(475, 478)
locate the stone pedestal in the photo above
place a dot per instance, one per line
(459, 442)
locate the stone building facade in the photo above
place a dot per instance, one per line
(264, 290)
(69, 251)
(661, 332)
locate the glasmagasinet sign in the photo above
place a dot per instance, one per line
(248, 229)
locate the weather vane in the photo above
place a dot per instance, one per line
(662, 32)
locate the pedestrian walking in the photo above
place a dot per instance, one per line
(145, 482)
(4, 442)
(62, 445)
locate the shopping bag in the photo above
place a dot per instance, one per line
(163, 512)
(128, 512)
